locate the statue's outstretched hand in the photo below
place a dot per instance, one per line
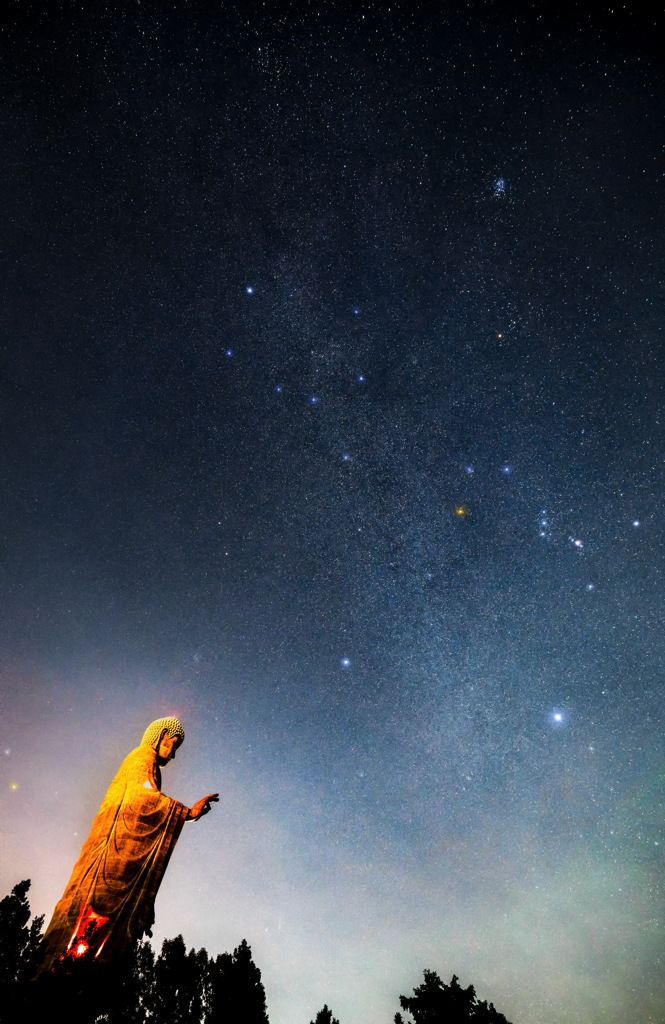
(202, 807)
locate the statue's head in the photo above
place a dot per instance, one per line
(164, 735)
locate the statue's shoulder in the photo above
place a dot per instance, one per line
(140, 761)
(139, 767)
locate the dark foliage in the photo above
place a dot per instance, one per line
(19, 946)
(236, 991)
(180, 983)
(134, 998)
(325, 1016)
(19, 941)
(433, 1002)
(177, 987)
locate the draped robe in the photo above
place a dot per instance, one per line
(109, 900)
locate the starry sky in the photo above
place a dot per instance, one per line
(331, 375)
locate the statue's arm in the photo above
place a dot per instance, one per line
(201, 807)
(141, 774)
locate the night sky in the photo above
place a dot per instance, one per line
(331, 377)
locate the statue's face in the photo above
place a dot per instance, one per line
(167, 748)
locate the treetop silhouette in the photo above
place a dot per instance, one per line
(325, 1016)
(175, 987)
(434, 1002)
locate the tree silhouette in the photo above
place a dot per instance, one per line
(19, 941)
(180, 983)
(325, 1016)
(134, 1000)
(485, 1013)
(177, 987)
(433, 1002)
(236, 992)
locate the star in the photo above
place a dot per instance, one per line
(506, 469)
(470, 470)
(460, 511)
(249, 289)
(636, 522)
(314, 400)
(345, 662)
(229, 352)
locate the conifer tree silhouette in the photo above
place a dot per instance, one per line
(236, 990)
(433, 1002)
(19, 941)
(177, 987)
(136, 997)
(180, 980)
(324, 1016)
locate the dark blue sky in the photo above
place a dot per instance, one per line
(332, 371)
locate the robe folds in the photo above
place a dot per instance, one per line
(109, 900)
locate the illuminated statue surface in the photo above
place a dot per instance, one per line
(109, 900)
